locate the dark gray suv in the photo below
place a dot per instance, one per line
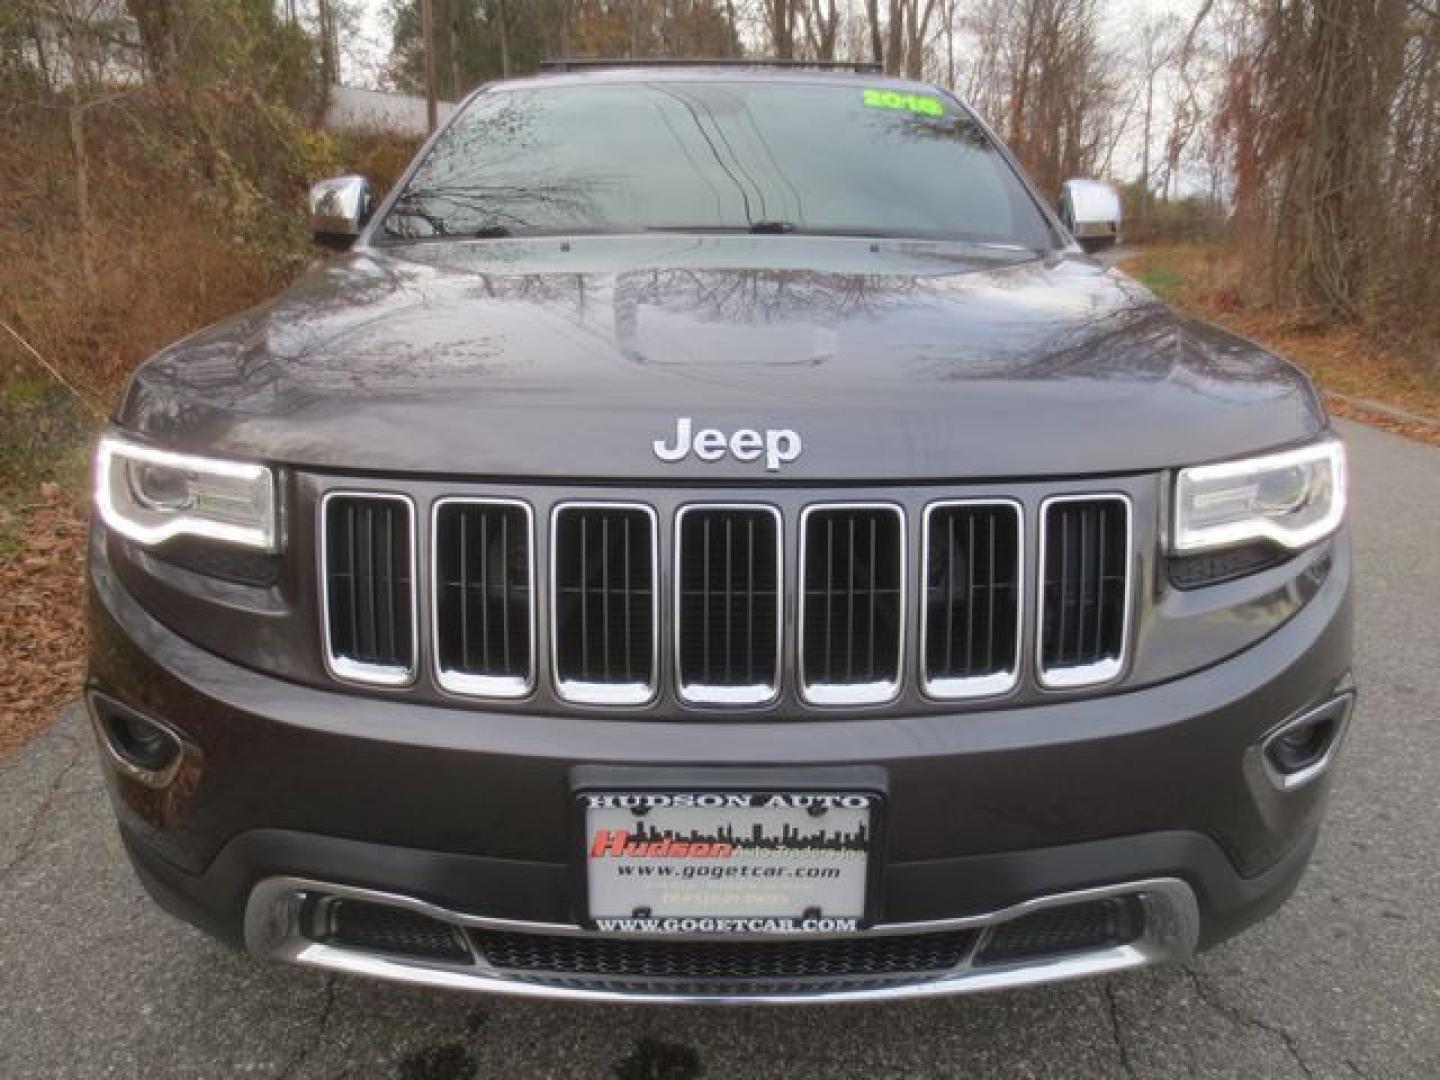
(714, 536)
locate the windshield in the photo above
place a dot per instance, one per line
(716, 157)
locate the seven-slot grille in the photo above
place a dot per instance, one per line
(970, 629)
(852, 608)
(727, 605)
(1085, 589)
(604, 601)
(368, 553)
(729, 593)
(484, 596)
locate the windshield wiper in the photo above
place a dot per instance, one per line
(771, 227)
(492, 232)
(768, 228)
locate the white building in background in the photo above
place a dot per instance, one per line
(403, 114)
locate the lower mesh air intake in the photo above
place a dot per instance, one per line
(1095, 924)
(359, 924)
(742, 960)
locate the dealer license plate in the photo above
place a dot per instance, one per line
(727, 862)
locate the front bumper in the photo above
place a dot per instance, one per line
(290, 791)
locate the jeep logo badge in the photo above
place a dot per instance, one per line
(780, 446)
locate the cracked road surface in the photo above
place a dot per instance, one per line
(1343, 982)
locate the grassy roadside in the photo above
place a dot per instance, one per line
(1345, 361)
(43, 470)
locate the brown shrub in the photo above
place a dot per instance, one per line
(196, 210)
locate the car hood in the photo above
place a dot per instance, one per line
(570, 358)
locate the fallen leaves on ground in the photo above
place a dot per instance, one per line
(1427, 433)
(42, 624)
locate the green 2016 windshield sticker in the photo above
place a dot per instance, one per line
(893, 99)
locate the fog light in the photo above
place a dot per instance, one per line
(145, 744)
(1302, 748)
(141, 748)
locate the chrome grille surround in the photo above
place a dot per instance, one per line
(1108, 669)
(702, 694)
(910, 686)
(349, 669)
(990, 685)
(602, 693)
(876, 692)
(470, 684)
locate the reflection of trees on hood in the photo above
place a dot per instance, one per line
(764, 296)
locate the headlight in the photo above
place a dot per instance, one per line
(1293, 498)
(153, 495)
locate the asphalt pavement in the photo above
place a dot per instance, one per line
(1343, 982)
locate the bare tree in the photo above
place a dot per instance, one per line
(1159, 43)
(1043, 78)
(822, 28)
(781, 17)
(155, 22)
(1309, 110)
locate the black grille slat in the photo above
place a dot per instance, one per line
(484, 602)
(368, 583)
(972, 597)
(725, 961)
(853, 601)
(604, 602)
(625, 599)
(728, 609)
(1085, 583)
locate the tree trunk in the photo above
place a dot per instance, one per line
(82, 194)
(78, 151)
(1144, 200)
(894, 40)
(427, 34)
(1021, 83)
(157, 45)
(457, 83)
(872, 11)
(501, 15)
(328, 52)
(950, 45)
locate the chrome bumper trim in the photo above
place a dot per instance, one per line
(272, 929)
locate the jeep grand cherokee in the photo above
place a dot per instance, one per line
(714, 536)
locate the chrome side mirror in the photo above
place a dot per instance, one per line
(1090, 209)
(339, 209)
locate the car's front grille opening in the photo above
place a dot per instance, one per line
(484, 610)
(831, 958)
(384, 928)
(1059, 931)
(853, 607)
(971, 627)
(369, 585)
(1085, 589)
(728, 604)
(605, 604)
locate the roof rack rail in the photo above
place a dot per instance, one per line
(588, 63)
